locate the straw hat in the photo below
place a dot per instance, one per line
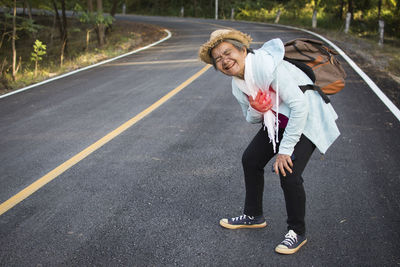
(217, 37)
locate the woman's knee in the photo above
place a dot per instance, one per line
(250, 160)
(291, 180)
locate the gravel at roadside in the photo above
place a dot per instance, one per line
(374, 61)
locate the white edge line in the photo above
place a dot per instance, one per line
(89, 67)
(372, 85)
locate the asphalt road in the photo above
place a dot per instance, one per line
(153, 195)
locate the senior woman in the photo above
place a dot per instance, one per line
(293, 124)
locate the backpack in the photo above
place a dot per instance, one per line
(319, 63)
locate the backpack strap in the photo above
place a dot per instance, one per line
(306, 87)
(310, 73)
(301, 53)
(302, 66)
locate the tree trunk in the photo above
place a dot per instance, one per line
(19, 64)
(36, 64)
(341, 9)
(90, 5)
(63, 45)
(100, 26)
(88, 39)
(63, 29)
(379, 9)
(23, 9)
(14, 36)
(4, 32)
(53, 28)
(114, 7)
(3, 80)
(58, 19)
(350, 7)
(64, 26)
(29, 9)
(112, 13)
(3, 65)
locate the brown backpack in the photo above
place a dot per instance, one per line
(319, 63)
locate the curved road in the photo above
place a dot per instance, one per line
(154, 194)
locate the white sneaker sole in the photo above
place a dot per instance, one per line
(224, 223)
(284, 250)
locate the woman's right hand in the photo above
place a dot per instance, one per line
(262, 102)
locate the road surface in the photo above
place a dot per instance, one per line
(153, 195)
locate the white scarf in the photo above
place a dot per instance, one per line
(249, 87)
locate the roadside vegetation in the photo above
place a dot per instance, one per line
(35, 46)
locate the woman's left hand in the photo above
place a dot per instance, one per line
(283, 162)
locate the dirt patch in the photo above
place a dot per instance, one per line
(146, 33)
(386, 81)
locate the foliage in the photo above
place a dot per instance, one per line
(364, 22)
(39, 50)
(92, 18)
(86, 17)
(365, 12)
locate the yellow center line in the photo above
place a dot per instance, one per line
(29, 190)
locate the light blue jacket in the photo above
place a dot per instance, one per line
(307, 112)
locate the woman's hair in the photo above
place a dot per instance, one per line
(238, 45)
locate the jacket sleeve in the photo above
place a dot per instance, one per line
(251, 115)
(294, 98)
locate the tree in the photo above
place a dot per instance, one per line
(5, 30)
(379, 9)
(39, 50)
(350, 7)
(90, 5)
(341, 8)
(114, 7)
(14, 37)
(17, 25)
(101, 28)
(62, 23)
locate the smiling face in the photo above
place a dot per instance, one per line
(229, 60)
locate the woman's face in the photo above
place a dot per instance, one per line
(229, 60)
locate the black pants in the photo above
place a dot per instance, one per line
(255, 157)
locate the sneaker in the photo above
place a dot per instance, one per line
(244, 221)
(291, 244)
